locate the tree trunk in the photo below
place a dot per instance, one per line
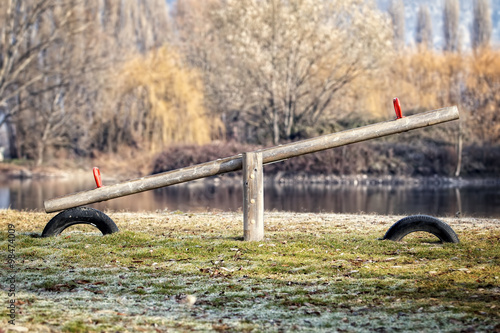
(12, 139)
(276, 128)
(459, 150)
(40, 153)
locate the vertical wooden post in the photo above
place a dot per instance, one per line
(253, 197)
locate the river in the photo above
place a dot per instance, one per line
(438, 200)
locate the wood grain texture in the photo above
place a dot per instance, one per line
(253, 197)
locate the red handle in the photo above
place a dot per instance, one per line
(397, 108)
(97, 177)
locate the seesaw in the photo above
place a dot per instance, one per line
(253, 195)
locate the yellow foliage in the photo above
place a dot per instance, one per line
(166, 100)
(425, 79)
(368, 95)
(483, 94)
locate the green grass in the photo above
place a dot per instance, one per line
(313, 272)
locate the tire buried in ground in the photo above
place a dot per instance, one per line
(79, 215)
(425, 223)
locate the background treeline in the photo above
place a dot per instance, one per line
(83, 78)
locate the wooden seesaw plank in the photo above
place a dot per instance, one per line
(269, 155)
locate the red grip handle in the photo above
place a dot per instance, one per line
(97, 177)
(397, 108)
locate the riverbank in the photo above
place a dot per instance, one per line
(176, 271)
(10, 172)
(410, 159)
(410, 156)
(114, 167)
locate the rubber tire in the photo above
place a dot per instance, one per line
(79, 215)
(426, 223)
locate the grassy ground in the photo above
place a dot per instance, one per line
(174, 271)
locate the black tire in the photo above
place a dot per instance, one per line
(79, 215)
(421, 223)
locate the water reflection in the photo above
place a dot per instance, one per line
(480, 201)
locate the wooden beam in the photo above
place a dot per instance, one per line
(253, 197)
(269, 155)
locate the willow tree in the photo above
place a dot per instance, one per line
(54, 57)
(280, 64)
(155, 100)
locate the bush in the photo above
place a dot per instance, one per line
(369, 158)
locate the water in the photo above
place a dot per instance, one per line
(471, 200)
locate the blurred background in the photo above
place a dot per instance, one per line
(145, 86)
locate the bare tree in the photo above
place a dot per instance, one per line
(136, 24)
(46, 113)
(481, 26)
(194, 29)
(279, 64)
(20, 47)
(56, 58)
(31, 28)
(424, 27)
(397, 14)
(156, 101)
(451, 15)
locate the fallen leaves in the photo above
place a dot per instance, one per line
(217, 272)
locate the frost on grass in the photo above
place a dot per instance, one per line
(317, 272)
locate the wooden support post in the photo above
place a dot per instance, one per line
(253, 197)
